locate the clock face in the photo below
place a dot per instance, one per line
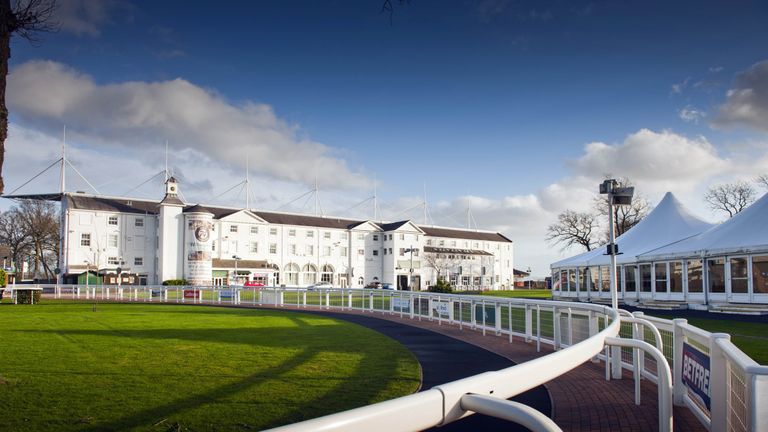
(173, 188)
(202, 234)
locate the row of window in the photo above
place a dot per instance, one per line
(743, 274)
(113, 260)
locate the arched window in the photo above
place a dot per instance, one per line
(291, 274)
(326, 273)
(309, 274)
(275, 274)
(361, 281)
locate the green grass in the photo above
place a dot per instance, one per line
(64, 366)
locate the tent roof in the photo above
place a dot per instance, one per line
(669, 222)
(744, 233)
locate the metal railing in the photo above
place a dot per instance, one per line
(730, 397)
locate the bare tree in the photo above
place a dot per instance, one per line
(762, 180)
(730, 197)
(573, 228)
(41, 223)
(624, 216)
(441, 262)
(14, 235)
(26, 18)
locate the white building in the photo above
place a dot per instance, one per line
(154, 241)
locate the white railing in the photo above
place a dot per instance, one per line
(737, 387)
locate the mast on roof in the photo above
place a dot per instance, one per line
(63, 159)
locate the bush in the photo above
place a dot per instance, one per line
(175, 282)
(442, 286)
(3, 278)
(25, 296)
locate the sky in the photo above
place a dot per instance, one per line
(501, 113)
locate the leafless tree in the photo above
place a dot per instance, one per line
(26, 18)
(730, 197)
(14, 235)
(762, 180)
(573, 228)
(624, 216)
(441, 262)
(40, 220)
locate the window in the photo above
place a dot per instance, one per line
(138, 222)
(582, 279)
(310, 250)
(85, 239)
(343, 236)
(360, 236)
(327, 235)
(291, 233)
(660, 273)
(343, 251)
(390, 251)
(630, 284)
(429, 242)
(385, 251)
(760, 274)
(254, 247)
(361, 251)
(442, 243)
(310, 234)
(326, 251)
(390, 236)
(453, 243)
(112, 240)
(254, 229)
(415, 252)
(138, 261)
(292, 249)
(233, 228)
(676, 277)
(402, 236)
(605, 279)
(716, 272)
(402, 251)
(273, 231)
(360, 281)
(739, 276)
(213, 246)
(375, 237)
(113, 261)
(273, 248)
(375, 252)
(112, 220)
(694, 276)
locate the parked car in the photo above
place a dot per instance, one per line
(320, 285)
(374, 285)
(389, 286)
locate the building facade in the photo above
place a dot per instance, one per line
(154, 241)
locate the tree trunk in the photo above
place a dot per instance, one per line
(6, 16)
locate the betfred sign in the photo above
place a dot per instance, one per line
(696, 373)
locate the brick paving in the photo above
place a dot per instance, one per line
(582, 400)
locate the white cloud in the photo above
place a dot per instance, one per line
(747, 102)
(691, 114)
(679, 87)
(139, 116)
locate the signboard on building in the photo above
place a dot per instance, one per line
(696, 373)
(197, 248)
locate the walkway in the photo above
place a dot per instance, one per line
(582, 400)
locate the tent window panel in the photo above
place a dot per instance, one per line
(555, 281)
(716, 275)
(694, 277)
(739, 275)
(676, 277)
(645, 278)
(620, 278)
(660, 276)
(760, 274)
(572, 280)
(564, 280)
(605, 278)
(582, 279)
(594, 279)
(631, 281)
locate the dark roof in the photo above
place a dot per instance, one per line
(392, 225)
(305, 220)
(172, 199)
(455, 251)
(463, 234)
(197, 208)
(517, 272)
(44, 197)
(122, 205)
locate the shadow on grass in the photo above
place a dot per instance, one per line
(360, 382)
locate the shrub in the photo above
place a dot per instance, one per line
(3, 278)
(175, 282)
(442, 286)
(25, 296)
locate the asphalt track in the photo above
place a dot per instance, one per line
(444, 359)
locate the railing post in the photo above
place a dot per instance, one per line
(678, 339)
(327, 299)
(497, 313)
(528, 323)
(370, 301)
(570, 327)
(718, 382)
(538, 328)
(757, 388)
(556, 330)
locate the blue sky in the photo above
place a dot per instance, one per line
(485, 101)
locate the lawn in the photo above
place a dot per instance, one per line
(66, 366)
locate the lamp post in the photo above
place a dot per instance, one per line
(411, 250)
(528, 270)
(236, 258)
(616, 196)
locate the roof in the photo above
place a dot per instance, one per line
(391, 226)
(122, 205)
(241, 264)
(746, 232)
(521, 273)
(455, 251)
(307, 220)
(172, 199)
(433, 231)
(197, 209)
(668, 222)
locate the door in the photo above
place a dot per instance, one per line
(716, 280)
(759, 278)
(738, 280)
(676, 281)
(402, 282)
(343, 281)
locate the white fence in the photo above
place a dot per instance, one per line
(723, 387)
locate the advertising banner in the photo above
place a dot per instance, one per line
(197, 248)
(191, 294)
(441, 308)
(401, 304)
(695, 373)
(485, 315)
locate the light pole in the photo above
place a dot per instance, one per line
(528, 270)
(236, 258)
(616, 196)
(411, 250)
